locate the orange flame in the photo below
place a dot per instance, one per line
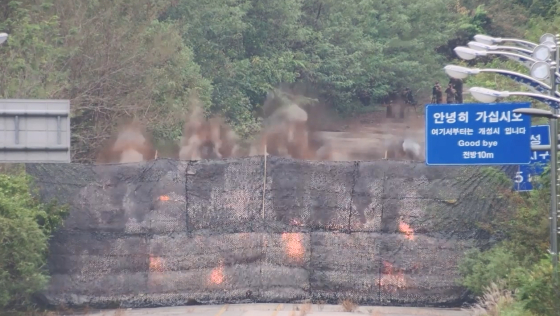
(392, 277)
(164, 198)
(407, 230)
(217, 275)
(293, 245)
(156, 264)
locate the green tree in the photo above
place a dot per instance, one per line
(113, 59)
(116, 60)
(367, 48)
(31, 55)
(25, 227)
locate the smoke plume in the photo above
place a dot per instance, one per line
(206, 138)
(129, 145)
(292, 128)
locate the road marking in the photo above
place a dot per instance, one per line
(279, 307)
(222, 310)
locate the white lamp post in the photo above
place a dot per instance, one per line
(485, 47)
(541, 52)
(548, 38)
(470, 54)
(541, 70)
(542, 67)
(459, 72)
(3, 37)
(490, 96)
(489, 40)
(536, 112)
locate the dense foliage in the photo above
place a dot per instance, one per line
(519, 262)
(144, 58)
(25, 227)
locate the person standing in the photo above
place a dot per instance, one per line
(437, 94)
(408, 97)
(450, 93)
(458, 86)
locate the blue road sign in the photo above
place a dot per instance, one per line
(477, 134)
(540, 135)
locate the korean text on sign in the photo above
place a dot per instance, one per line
(523, 179)
(450, 118)
(483, 116)
(470, 134)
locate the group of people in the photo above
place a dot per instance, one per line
(453, 92)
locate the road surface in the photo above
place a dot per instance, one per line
(280, 310)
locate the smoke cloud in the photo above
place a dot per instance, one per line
(292, 128)
(207, 138)
(129, 145)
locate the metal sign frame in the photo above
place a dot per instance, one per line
(34, 131)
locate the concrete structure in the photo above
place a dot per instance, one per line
(167, 233)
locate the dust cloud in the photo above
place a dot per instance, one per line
(129, 145)
(207, 138)
(293, 127)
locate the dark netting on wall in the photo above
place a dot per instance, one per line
(166, 232)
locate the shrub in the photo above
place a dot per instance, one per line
(25, 227)
(519, 261)
(498, 301)
(536, 290)
(480, 269)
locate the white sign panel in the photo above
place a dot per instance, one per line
(34, 131)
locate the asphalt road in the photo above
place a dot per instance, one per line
(280, 310)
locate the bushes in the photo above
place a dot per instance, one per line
(519, 263)
(480, 269)
(536, 290)
(532, 282)
(25, 227)
(497, 301)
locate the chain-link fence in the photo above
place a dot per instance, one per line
(253, 230)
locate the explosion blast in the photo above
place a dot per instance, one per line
(286, 133)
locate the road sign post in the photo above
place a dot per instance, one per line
(540, 135)
(34, 131)
(477, 134)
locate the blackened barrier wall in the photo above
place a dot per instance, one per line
(168, 232)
